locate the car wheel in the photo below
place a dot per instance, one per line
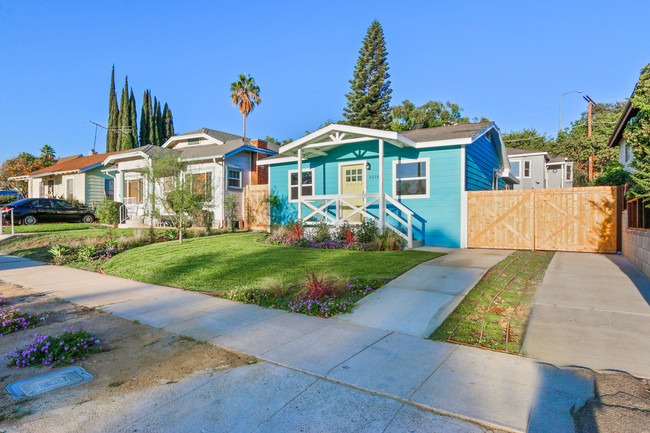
(87, 219)
(30, 220)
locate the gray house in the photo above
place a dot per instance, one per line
(535, 169)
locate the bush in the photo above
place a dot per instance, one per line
(387, 240)
(171, 234)
(59, 250)
(87, 252)
(275, 287)
(108, 212)
(62, 349)
(5, 199)
(343, 232)
(613, 175)
(321, 233)
(367, 231)
(15, 319)
(319, 286)
(296, 230)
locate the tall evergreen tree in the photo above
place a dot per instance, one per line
(125, 139)
(134, 120)
(113, 117)
(369, 97)
(168, 123)
(159, 125)
(145, 119)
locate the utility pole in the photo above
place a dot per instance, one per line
(592, 156)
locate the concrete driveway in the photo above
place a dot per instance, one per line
(592, 310)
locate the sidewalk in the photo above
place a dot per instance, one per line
(490, 388)
(417, 302)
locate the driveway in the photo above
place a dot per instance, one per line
(418, 301)
(592, 310)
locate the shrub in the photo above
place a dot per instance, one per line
(171, 234)
(136, 239)
(296, 229)
(367, 231)
(204, 218)
(248, 295)
(321, 233)
(319, 285)
(15, 319)
(87, 252)
(230, 205)
(59, 250)
(65, 348)
(343, 231)
(387, 240)
(108, 211)
(275, 287)
(6, 199)
(280, 232)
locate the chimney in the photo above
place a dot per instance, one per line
(92, 152)
(261, 144)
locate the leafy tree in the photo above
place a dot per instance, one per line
(273, 140)
(637, 133)
(245, 94)
(528, 139)
(614, 174)
(230, 205)
(20, 165)
(432, 114)
(113, 117)
(369, 97)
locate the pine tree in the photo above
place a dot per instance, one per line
(168, 123)
(369, 97)
(134, 120)
(145, 119)
(113, 117)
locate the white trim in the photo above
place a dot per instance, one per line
(463, 200)
(528, 154)
(125, 155)
(365, 174)
(427, 177)
(241, 178)
(267, 161)
(443, 143)
(523, 169)
(313, 183)
(190, 136)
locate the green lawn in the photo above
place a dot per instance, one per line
(219, 263)
(495, 312)
(53, 227)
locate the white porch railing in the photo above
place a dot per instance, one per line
(319, 206)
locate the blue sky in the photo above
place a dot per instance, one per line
(508, 61)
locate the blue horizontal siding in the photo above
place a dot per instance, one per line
(436, 219)
(481, 161)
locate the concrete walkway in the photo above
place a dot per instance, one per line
(490, 388)
(418, 301)
(592, 310)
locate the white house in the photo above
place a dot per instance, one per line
(225, 163)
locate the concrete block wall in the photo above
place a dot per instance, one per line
(636, 247)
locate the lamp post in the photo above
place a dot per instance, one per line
(560, 107)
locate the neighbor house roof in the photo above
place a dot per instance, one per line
(628, 113)
(72, 165)
(450, 132)
(219, 135)
(511, 151)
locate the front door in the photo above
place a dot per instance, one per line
(353, 178)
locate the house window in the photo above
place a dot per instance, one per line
(514, 168)
(109, 188)
(411, 178)
(69, 188)
(134, 191)
(569, 172)
(193, 141)
(307, 184)
(167, 184)
(202, 184)
(527, 168)
(234, 178)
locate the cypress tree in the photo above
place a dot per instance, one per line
(155, 131)
(134, 120)
(145, 119)
(113, 116)
(369, 97)
(124, 137)
(168, 123)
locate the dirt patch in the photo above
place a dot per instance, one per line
(139, 356)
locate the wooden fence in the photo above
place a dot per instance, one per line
(559, 219)
(256, 208)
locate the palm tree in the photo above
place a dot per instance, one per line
(245, 94)
(47, 152)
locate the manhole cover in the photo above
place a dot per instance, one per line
(71, 376)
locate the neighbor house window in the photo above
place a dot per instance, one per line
(307, 184)
(527, 168)
(411, 178)
(193, 141)
(569, 172)
(134, 191)
(109, 188)
(202, 184)
(69, 188)
(514, 168)
(234, 178)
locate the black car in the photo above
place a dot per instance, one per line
(30, 211)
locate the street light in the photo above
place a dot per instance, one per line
(560, 109)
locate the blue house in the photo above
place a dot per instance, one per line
(413, 182)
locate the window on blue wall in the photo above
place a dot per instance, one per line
(514, 168)
(307, 184)
(109, 188)
(411, 178)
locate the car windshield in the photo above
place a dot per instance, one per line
(19, 202)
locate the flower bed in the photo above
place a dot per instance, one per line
(325, 306)
(66, 348)
(15, 319)
(326, 245)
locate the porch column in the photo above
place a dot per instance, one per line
(300, 184)
(119, 187)
(382, 201)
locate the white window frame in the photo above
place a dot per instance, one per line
(568, 175)
(193, 141)
(241, 178)
(427, 178)
(313, 182)
(69, 188)
(523, 168)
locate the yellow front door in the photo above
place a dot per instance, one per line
(353, 178)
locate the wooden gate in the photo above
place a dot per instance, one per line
(256, 209)
(559, 219)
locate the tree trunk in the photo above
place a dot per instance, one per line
(180, 228)
(244, 126)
